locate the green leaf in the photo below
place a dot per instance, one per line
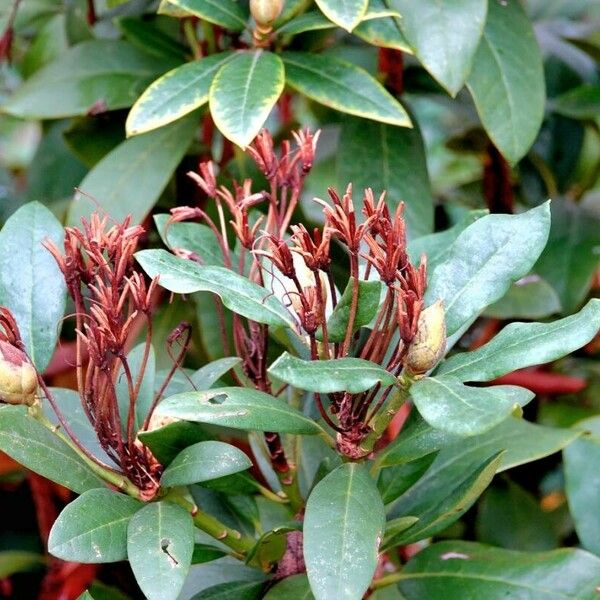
(226, 13)
(507, 80)
(531, 298)
(394, 482)
(239, 294)
(160, 543)
(384, 32)
(382, 157)
(271, 546)
(93, 528)
(343, 526)
(397, 526)
(416, 439)
(85, 596)
(107, 74)
(204, 461)
(243, 92)
(524, 442)
(232, 590)
(582, 480)
(445, 492)
(309, 21)
(570, 259)
(342, 86)
(296, 587)
(444, 35)
(204, 553)
(437, 245)
(582, 102)
(150, 36)
(368, 305)
(446, 404)
(28, 442)
(352, 375)
(239, 408)
(115, 186)
(484, 260)
(18, 561)
(510, 517)
(521, 345)
(345, 13)
(195, 237)
(31, 284)
(69, 404)
(175, 94)
(457, 569)
(167, 442)
(49, 43)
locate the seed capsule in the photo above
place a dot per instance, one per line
(429, 344)
(18, 377)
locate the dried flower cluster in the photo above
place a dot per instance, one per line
(110, 299)
(275, 254)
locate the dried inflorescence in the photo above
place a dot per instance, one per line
(112, 300)
(276, 254)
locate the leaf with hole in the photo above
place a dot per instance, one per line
(160, 544)
(240, 408)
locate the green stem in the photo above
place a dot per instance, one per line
(189, 30)
(387, 580)
(387, 412)
(291, 488)
(119, 481)
(209, 37)
(239, 543)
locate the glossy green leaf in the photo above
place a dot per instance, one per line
(296, 587)
(226, 13)
(523, 442)
(342, 86)
(383, 157)
(582, 479)
(204, 553)
(531, 298)
(204, 461)
(446, 404)
(160, 543)
(243, 92)
(194, 237)
(232, 590)
(345, 13)
(49, 43)
(93, 528)
(457, 569)
(521, 345)
(31, 444)
(445, 492)
(353, 375)
(114, 185)
(308, 21)
(582, 102)
(416, 439)
(437, 245)
(237, 293)
(175, 94)
(384, 31)
(397, 526)
(510, 517)
(343, 526)
(167, 442)
(507, 80)
(484, 260)
(150, 36)
(69, 405)
(90, 139)
(271, 546)
(395, 481)
(239, 408)
(368, 304)
(100, 74)
(570, 259)
(444, 35)
(31, 284)
(18, 561)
